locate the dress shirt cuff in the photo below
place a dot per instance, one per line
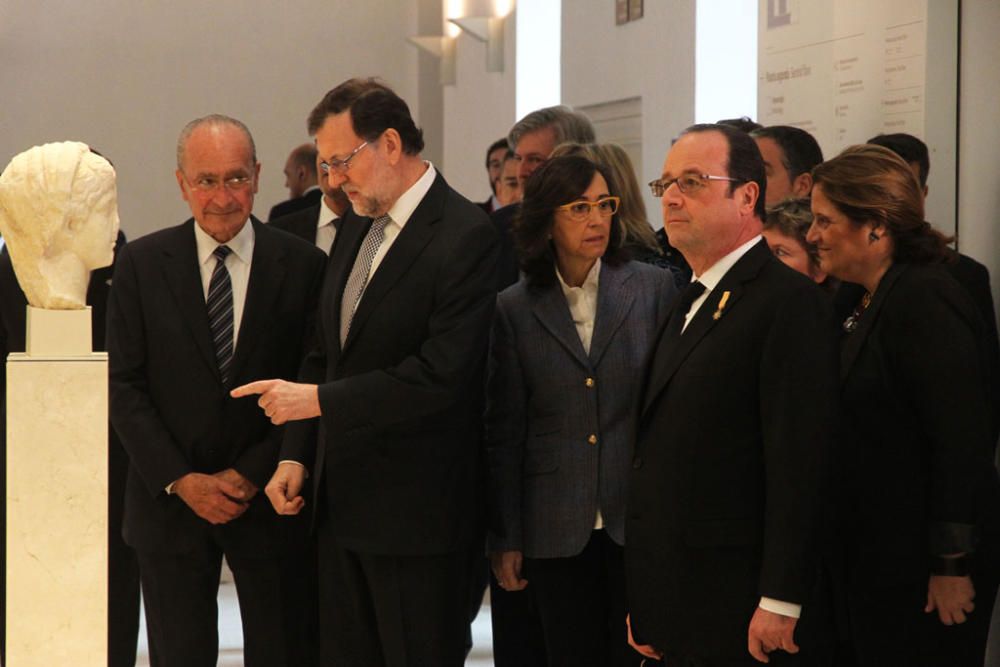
(779, 607)
(169, 488)
(295, 463)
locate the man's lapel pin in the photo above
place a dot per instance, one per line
(722, 305)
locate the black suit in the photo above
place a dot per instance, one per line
(123, 571)
(918, 479)
(975, 279)
(301, 223)
(399, 456)
(310, 198)
(174, 416)
(728, 473)
(508, 267)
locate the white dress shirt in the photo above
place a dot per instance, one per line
(582, 302)
(237, 263)
(710, 279)
(325, 230)
(400, 213)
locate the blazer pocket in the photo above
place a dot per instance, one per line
(540, 461)
(545, 424)
(723, 533)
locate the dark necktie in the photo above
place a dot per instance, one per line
(688, 296)
(358, 279)
(220, 312)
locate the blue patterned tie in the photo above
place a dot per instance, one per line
(358, 279)
(220, 312)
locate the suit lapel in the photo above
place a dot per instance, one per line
(183, 278)
(267, 273)
(664, 366)
(855, 340)
(412, 239)
(614, 302)
(552, 311)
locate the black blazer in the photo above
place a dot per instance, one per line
(727, 485)
(400, 446)
(301, 223)
(310, 198)
(168, 403)
(917, 447)
(508, 266)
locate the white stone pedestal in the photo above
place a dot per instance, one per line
(57, 498)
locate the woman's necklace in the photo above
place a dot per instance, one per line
(851, 323)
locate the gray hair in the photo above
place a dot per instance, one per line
(569, 125)
(214, 119)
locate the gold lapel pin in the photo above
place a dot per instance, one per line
(722, 305)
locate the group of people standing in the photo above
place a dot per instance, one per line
(669, 446)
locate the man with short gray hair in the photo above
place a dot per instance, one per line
(195, 310)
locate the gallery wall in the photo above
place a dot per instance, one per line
(126, 76)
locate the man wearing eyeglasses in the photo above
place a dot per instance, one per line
(397, 384)
(195, 310)
(735, 420)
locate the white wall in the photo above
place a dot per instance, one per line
(652, 58)
(126, 76)
(979, 138)
(479, 108)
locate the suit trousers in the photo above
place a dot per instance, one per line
(517, 629)
(581, 604)
(389, 610)
(889, 626)
(180, 596)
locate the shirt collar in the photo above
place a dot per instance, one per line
(589, 285)
(241, 244)
(407, 203)
(326, 214)
(713, 275)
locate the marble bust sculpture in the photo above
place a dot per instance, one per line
(59, 220)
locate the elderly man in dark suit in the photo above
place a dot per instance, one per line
(397, 384)
(735, 419)
(195, 310)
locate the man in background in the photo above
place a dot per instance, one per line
(789, 155)
(301, 181)
(494, 162)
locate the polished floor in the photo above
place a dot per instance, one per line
(231, 634)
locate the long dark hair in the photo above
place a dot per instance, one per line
(559, 181)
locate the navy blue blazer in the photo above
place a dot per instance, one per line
(558, 420)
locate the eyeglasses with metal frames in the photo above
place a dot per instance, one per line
(340, 166)
(207, 184)
(580, 210)
(688, 183)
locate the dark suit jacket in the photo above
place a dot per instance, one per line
(168, 403)
(975, 279)
(508, 266)
(547, 396)
(301, 223)
(726, 491)
(402, 402)
(917, 446)
(310, 198)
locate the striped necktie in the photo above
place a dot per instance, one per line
(220, 312)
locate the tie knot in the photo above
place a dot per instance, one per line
(381, 221)
(690, 295)
(221, 252)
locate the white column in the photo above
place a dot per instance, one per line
(57, 499)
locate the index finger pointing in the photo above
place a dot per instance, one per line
(258, 387)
